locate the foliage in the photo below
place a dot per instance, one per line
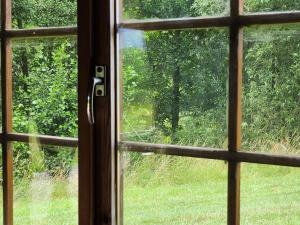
(45, 86)
(185, 79)
(174, 82)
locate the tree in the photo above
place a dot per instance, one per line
(45, 81)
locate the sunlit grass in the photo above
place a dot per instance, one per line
(174, 190)
(46, 200)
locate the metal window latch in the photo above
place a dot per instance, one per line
(100, 72)
(98, 89)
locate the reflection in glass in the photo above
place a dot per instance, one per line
(43, 13)
(174, 86)
(45, 185)
(270, 195)
(45, 86)
(139, 9)
(271, 105)
(173, 190)
(271, 5)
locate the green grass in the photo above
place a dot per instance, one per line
(45, 200)
(173, 191)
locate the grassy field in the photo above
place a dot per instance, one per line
(46, 200)
(171, 191)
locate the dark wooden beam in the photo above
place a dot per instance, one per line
(269, 18)
(104, 126)
(170, 24)
(211, 153)
(43, 139)
(40, 32)
(207, 22)
(85, 132)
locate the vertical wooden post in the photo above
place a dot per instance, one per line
(85, 137)
(7, 151)
(105, 113)
(235, 113)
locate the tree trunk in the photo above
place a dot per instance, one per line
(175, 102)
(25, 70)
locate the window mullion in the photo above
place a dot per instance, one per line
(6, 77)
(235, 115)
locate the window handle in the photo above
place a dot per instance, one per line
(98, 89)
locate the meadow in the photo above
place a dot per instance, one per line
(173, 191)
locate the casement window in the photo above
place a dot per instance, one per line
(150, 112)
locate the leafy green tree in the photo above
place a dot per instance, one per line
(45, 81)
(181, 64)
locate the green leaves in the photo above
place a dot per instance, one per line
(44, 13)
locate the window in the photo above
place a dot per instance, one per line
(207, 101)
(203, 80)
(39, 112)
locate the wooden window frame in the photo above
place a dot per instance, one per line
(88, 208)
(235, 22)
(7, 136)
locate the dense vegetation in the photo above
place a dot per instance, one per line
(45, 86)
(174, 89)
(179, 79)
(175, 82)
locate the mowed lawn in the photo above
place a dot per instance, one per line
(45, 200)
(194, 191)
(172, 191)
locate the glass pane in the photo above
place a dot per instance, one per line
(45, 185)
(139, 9)
(271, 5)
(270, 195)
(45, 86)
(174, 87)
(173, 190)
(43, 13)
(271, 105)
